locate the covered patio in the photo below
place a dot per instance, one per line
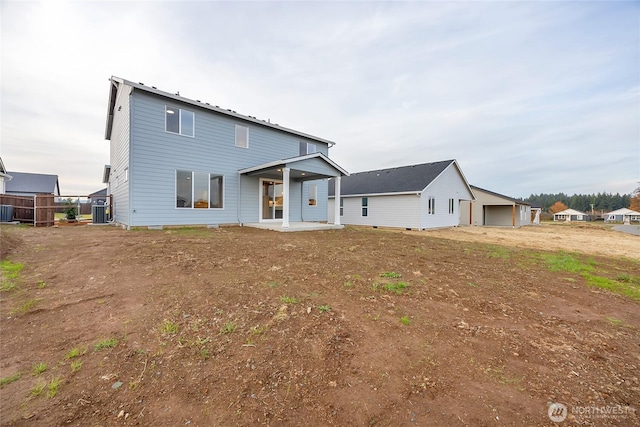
(282, 173)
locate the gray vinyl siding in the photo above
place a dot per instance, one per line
(156, 155)
(449, 184)
(318, 212)
(119, 155)
(382, 211)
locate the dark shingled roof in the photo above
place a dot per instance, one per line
(394, 180)
(32, 183)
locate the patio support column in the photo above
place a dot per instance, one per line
(336, 200)
(285, 198)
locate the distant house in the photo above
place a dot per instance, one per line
(494, 209)
(570, 215)
(4, 177)
(99, 197)
(622, 215)
(179, 161)
(418, 197)
(30, 184)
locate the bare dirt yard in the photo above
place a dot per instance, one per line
(239, 326)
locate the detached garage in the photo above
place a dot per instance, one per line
(493, 209)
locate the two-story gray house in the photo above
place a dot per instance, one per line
(177, 161)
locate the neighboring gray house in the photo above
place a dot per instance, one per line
(177, 161)
(415, 197)
(99, 197)
(30, 184)
(623, 215)
(494, 209)
(570, 215)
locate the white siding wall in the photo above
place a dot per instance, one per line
(449, 184)
(383, 211)
(119, 155)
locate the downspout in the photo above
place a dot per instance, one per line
(239, 198)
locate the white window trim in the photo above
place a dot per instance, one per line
(315, 188)
(179, 121)
(363, 206)
(236, 136)
(175, 191)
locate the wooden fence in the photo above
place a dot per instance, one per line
(37, 210)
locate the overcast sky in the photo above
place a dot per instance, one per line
(529, 97)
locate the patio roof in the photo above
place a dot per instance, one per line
(302, 168)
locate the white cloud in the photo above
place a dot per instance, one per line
(529, 97)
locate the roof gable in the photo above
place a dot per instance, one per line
(502, 196)
(116, 82)
(570, 212)
(623, 211)
(404, 179)
(33, 183)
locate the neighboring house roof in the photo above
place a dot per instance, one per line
(3, 171)
(404, 179)
(623, 211)
(511, 199)
(99, 193)
(570, 212)
(196, 103)
(33, 183)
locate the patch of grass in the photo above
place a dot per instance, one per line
(498, 252)
(472, 285)
(41, 284)
(628, 289)
(396, 288)
(614, 321)
(76, 365)
(405, 320)
(10, 273)
(10, 379)
(228, 328)
(273, 284)
(169, 327)
(38, 389)
(563, 261)
(53, 386)
(39, 368)
(75, 352)
(324, 308)
(24, 307)
(204, 353)
(348, 284)
(105, 343)
(391, 275)
(288, 300)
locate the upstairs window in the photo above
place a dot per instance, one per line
(313, 195)
(365, 206)
(307, 148)
(179, 121)
(242, 136)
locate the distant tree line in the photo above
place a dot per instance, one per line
(581, 202)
